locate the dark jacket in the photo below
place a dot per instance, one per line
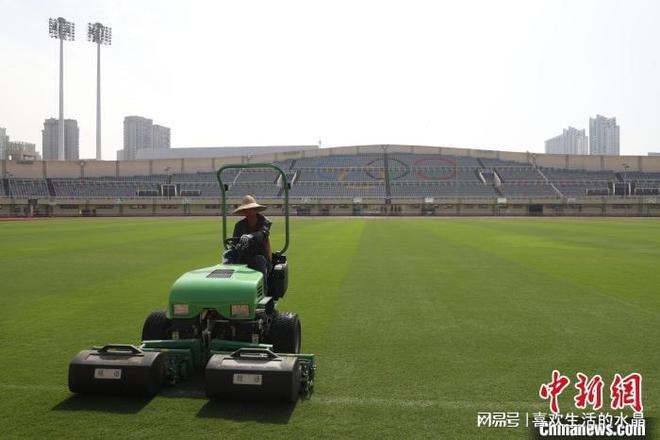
(260, 232)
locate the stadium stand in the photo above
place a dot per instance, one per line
(519, 174)
(376, 175)
(27, 188)
(407, 176)
(438, 189)
(337, 189)
(133, 187)
(261, 176)
(530, 189)
(229, 176)
(258, 190)
(199, 189)
(583, 188)
(638, 176)
(342, 175)
(463, 174)
(431, 160)
(339, 161)
(557, 174)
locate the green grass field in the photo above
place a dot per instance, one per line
(418, 324)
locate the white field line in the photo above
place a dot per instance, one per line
(334, 400)
(413, 403)
(10, 386)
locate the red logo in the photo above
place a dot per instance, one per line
(590, 391)
(624, 391)
(553, 389)
(627, 391)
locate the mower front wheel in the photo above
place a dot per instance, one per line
(156, 326)
(285, 333)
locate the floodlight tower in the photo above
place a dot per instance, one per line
(99, 34)
(62, 30)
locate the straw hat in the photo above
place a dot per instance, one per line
(249, 202)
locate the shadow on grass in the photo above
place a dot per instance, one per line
(191, 388)
(274, 413)
(109, 404)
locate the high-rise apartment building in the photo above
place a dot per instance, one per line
(4, 139)
(49, 139)
(161, 137)
(138, 134)
(571, 141)
(603, 136)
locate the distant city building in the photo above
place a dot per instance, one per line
(138, 134)
(206, 152)
(603, 136)
(571, 141)
(4, 139)
(160, 137)
(17, 150)
(49, 139)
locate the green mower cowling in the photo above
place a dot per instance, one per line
(220, 321)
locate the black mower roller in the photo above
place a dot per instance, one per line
(253, 373)
(117, 369)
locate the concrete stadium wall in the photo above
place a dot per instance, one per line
(291, 155)
(137, 209)
(64, 169)
(637, 207)
(552, 160)
(198, 165)
(130, 168)
(165, 166)
(168, 208)
(100, 168)
(650, 163)
(33, 170)
(5, 208)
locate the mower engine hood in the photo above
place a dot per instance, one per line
(216, 287)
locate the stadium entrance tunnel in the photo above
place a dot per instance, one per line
(535, 210)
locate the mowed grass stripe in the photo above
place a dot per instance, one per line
(576, 325)
(402, 335)
(567, 250)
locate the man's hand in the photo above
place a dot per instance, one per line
(244, 243)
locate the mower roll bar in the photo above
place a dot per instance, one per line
(224, 187)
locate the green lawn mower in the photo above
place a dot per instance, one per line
(219, 321)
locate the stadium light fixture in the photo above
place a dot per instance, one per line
(99, 34)
(62, 30)
(625, 180)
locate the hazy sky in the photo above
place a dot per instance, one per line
(486, 74)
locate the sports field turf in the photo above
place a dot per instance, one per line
(418, 324)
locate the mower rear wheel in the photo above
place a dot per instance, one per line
(156, 326)
(285, 333)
